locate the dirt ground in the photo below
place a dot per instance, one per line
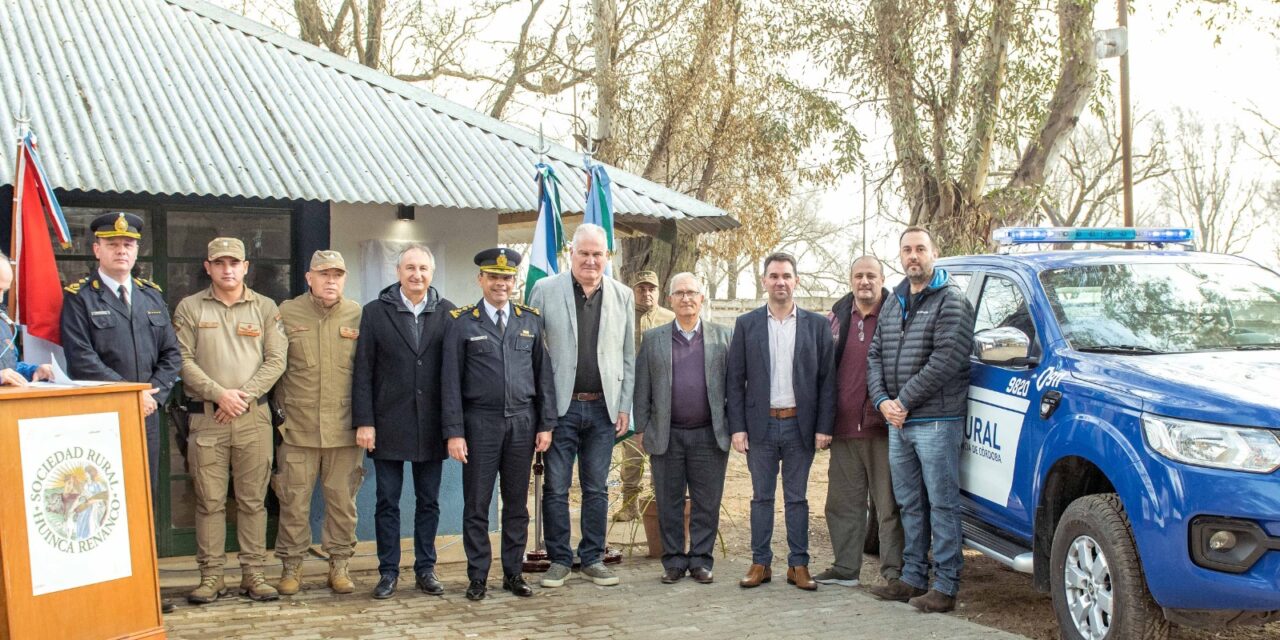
(990, 595)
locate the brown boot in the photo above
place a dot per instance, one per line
(897, 591)
(630, 509)
(255, 585)
(799, 576)
(758, 574)
(339, 580)
(934, 602)
(211, 588)
(290, 577)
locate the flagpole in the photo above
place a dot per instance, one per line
(15, 217)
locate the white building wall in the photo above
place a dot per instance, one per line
(453, 235)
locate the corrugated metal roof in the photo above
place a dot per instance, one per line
(181, 97)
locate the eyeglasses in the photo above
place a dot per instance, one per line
(862, 335)
(683, 293)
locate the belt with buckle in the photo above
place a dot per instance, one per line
(199, 407)
(782, 414)
(587, 397)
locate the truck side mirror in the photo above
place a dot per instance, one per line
(1004, 346)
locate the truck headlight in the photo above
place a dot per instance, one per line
(1213, 445)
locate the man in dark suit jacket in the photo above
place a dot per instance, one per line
(781, 409)
(396, 407)
(679, 408)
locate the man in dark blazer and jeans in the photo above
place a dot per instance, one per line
(781, 389)
(396, 407)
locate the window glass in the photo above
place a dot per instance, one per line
(1003, 305)
(265, 234)
(78, 219)
(962, 280)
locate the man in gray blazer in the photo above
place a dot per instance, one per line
(590, 330)
(680, 400)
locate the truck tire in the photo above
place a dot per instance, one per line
(1099, 590)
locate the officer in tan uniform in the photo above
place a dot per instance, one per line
(649, 314)
(233, 351)
(319, 440)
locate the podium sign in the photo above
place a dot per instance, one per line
(77, 545)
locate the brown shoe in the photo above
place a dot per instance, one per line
(799, 576)
(758, 574)
(934, 602)
(897, 591)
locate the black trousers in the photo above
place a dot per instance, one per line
(426, 514)
(695, 464)
(497, 447)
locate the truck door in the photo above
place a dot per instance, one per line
(1003, 401)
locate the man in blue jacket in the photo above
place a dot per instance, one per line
(918, 377)
(781, 409)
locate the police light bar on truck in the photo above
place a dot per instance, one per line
(1008, 236)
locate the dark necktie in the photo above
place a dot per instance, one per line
(124, 296)
(502, 326)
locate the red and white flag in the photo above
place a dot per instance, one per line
(36, 297)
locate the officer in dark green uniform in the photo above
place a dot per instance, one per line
(116, 327)
(498, 408)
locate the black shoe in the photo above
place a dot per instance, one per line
(476, 590)
(167, 607)
(672, 576)
(517, 586)
(386, 587)
(429, 585)
(701, 575)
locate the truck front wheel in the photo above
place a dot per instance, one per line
(1098, 586)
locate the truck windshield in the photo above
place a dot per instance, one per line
(1138, 309)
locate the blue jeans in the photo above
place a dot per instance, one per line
(585, 433)
(924, 461)
(783, 446)
(426, 514)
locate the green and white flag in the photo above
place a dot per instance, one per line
(548, 234)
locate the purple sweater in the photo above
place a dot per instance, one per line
(689, 406)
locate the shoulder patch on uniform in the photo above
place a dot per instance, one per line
(533, 310)
(143, 282)
(74, 287)
(458, 311)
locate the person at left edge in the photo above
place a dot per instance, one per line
(499, 407)
(116, 327)
(395, 405)
(12, 370)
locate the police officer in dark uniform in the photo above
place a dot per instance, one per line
(116, 327)
(498, 408)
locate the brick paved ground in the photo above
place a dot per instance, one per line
(641, 607)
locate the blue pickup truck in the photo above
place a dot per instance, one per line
(1123, 436)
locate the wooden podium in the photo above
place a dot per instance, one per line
(77, 541)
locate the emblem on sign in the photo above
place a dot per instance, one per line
(75, 499)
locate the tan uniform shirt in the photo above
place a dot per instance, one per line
(240, 346)
(315, 389)
(646, 320)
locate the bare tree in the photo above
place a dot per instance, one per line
(1086, 186)
(1201, 188)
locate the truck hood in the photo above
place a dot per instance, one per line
(1226, 387)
